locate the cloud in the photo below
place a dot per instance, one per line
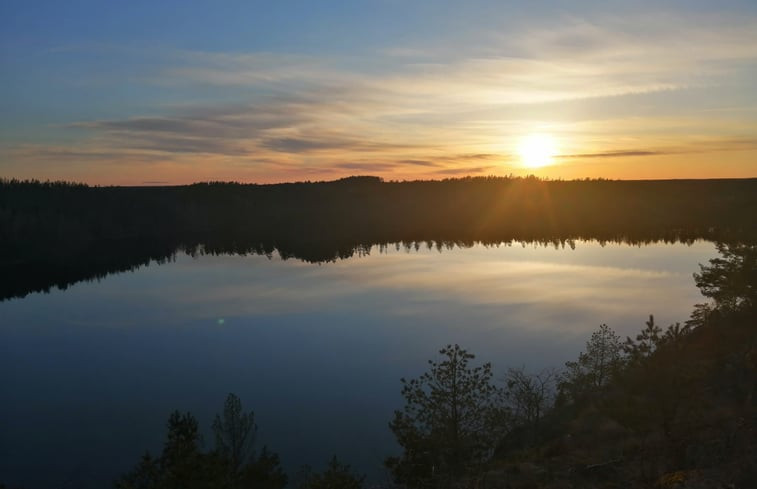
(562, 59)
(366, 166)
(558, 60)
(173, 144)
(614, 154)
(300, 145)
(471, 170)
(450, 109)
(418, 163)
(297, 145)
(231, 121)
(693, 147)
(430, 162)
(223, 130)
(470, 157)
(78, 154)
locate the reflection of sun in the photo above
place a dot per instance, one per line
(537, 150)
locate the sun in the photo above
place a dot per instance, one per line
(537, 150)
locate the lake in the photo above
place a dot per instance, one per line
(91, 373)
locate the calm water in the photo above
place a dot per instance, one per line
(90, 374)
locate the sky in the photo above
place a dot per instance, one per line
(174, 92)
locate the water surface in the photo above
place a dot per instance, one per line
(91, 373)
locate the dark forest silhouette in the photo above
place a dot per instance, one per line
(55, 234)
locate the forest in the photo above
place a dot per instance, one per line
(54, 234)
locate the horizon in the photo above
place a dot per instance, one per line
(175, 93)
(12, 180)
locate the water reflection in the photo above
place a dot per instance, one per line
(90, 373)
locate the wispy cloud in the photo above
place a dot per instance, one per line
(614, 154)
(375, 166)
(470, 170)
(565, 58)
(418, 163)
(696, 146)
(428, 109)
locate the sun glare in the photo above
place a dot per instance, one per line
(537, 150)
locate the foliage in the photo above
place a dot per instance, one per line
(684, 395)
(451, 422)
(146, 475)
(263, 472)
(731, 279)
(657, 388)
(336, 476)
(646, 341)
(652, 338)
(235, 432)
(595, 367)
(529, 397)
(183, 465)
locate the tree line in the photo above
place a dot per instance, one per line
(232, 463)
(56, 233)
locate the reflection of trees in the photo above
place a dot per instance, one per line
(54, 234)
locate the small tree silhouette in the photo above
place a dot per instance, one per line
(595, 367)
(235, 432)
(451, 422)
(336, 476)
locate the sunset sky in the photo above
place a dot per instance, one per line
(172, 92)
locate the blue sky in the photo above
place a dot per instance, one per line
(117, 93)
